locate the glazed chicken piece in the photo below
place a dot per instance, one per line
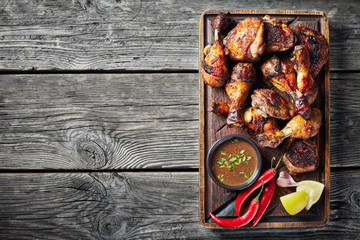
(301, 156)
(283, 76)
(297, 127)
(304, 81)
(252, 118)
(270, 103)
(214, 69)
(278, 36)
(220, 23)
(257, 123)
(245, 42)
(317, 46)
(238, 88)
(219, 108)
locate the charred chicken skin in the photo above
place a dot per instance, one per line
(238, 88)
(304, 81)
(317, 46)
(272, 104)
(301, 156)
(219, 108)
(283, 76)
(257, 123)
(220, 23)
(214, 69)
(297, 127)
(252, 118)
(278, 36)
(245, 42)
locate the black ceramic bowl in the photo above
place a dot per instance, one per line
(253, 177)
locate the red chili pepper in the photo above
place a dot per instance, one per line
(265, 200)
(242, 220)
(264, 178)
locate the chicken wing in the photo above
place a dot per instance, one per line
(283, 76)
(245, 42)
(238, 88)
(278, 36)
(301, 156)
(272, 104)
(317, 46)
(297, 127)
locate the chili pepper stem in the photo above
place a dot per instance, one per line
(275, 168)
(258, 196)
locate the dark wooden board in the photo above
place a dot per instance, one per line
(139, 35)
(213, 127)
(142, 205)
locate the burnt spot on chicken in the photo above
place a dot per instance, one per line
(219, 108)
(277, 35)
(317, 45)
(301, 156)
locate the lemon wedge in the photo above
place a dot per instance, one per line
(295, 202)
(313, 189)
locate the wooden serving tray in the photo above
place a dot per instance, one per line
(212, 127)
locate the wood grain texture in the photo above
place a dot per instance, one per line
(136, 34)
(45, 118)
(142, 206)
(98, 121)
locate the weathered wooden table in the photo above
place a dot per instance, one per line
(99, 120)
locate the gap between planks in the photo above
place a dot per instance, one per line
(100, 71)
(164, 170)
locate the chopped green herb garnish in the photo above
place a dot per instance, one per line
(237, 163)
(234, 140)
(229, 156)
(233, 159)
(251, 173)
(242, 172)
(222, 166)
(246, 176)
(222, 152)
(242, 152)
(221, 180)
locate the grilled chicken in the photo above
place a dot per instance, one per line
(219, 108)
(214, 68)
(272, 104)
(283, 76)
(238, 88)
(278, 36)
(301, 156)
(257, 123)
(297, 127)
(245, 42)
(317, 46)
(304, 81)
(220, 23)
(252, 118)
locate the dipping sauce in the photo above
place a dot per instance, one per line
(234, 161)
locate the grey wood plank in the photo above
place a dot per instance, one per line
(136, 34)
(98, 121)
(128, 121)
(142, 206)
